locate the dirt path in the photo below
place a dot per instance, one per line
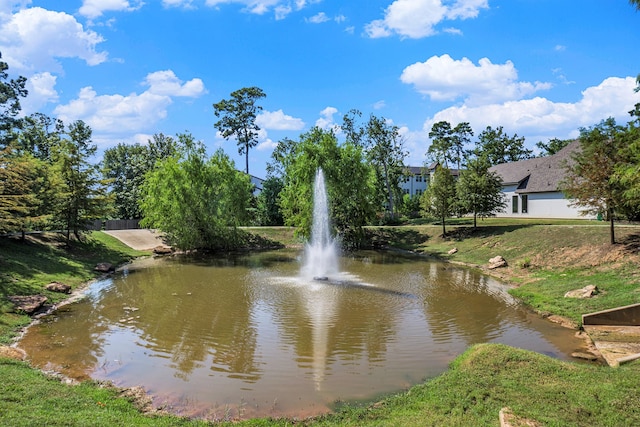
(139, 239)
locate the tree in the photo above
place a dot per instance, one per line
(18, 198)
(125, 166)
(350, 184)
(83, 195)
(628, 171)
(40, 135)
(479, 190)
(198, 202)
(441, 143)
(11, 90)
(268, 208)
(553, 146)
(498, 147)
(590, 179)
(440, 198)
(635, 3)
(238, 118)
(386, 153)
(460, 137)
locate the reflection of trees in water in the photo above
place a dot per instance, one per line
(461, 303)
(186, 312)
(74, 349)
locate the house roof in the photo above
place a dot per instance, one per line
(537, 175)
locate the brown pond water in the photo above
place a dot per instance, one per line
(245, 337)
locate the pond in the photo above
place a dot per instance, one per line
(244, 336)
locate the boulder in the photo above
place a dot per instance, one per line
(104, 267)
(58, 287)
(453, 251)
(497, 262)
(28, 304)
(583, 293)
(162, 250)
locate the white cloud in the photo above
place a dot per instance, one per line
(166, 83)
(282, 11)
(277, 120)
(445, 79)
(418, 18)
(32, 39)
(178, 3)
(258, 7)
(319, 18)
(267, 144)
(326, 120)
(117, 114)
(42, 90)
(281, 8)
(94, 8)
(379, 105)
(541, 119)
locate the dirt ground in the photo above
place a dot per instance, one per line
(138, 239)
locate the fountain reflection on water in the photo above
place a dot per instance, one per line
(321, 254)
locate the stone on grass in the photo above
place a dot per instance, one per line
(497, 262)
(453, 251)
(58, 287)
(12, 352)
(104, 267)
(27, 304)
(583, 293)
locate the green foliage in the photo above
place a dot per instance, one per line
(18, 200)
(498, 147)
(238, 118)
(479, 190)
(268, 208)
(553, 146)
(125, 167)
(440, 198)
(590, 179)
(83, 195)
(386, 153)
(350, 184)
(11, 90)
(448, 143)
(197, 201)
(40, 136)
(627, 172)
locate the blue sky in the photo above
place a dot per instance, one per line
(130, 68)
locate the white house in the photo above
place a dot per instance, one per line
(415, 179)
(532, 187)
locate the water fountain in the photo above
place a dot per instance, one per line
(321, 253)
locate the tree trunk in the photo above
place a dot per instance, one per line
(611, 228)
(247, 158)
(475, 222)
(444, 231)
(386, 178)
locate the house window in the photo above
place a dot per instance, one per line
(514, 204)
(525, 203)
(405, 191)
(418, 178)
(418, 192)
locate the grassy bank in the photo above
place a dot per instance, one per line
(26, 267)
(544, 262)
